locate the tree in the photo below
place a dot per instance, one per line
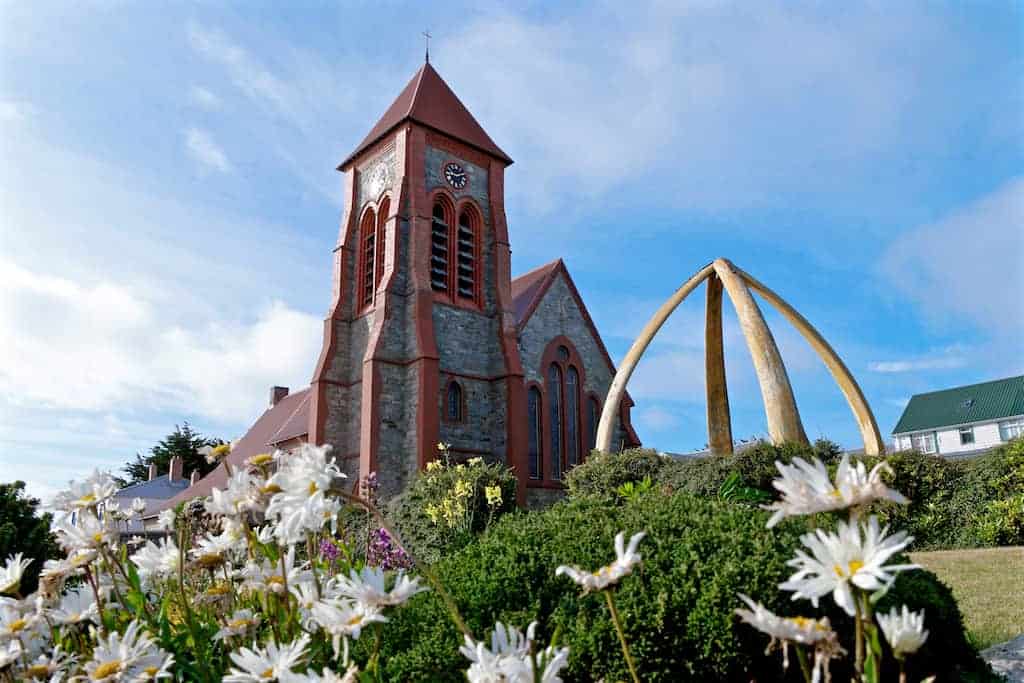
(183, 442)
(22, 530)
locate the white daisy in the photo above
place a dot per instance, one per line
(10, 574)
(240, 623)
(155, 665)
(302, 504)
(856, 556)
(165, 520)
(214, 549)
(10, 652)
(814, 633)
(138, 506)
(238, 496)
(904, 631)
(269, 576)
(510, 658)
(18, 619)
(806, 488)
(116, 655)
(157, 561)
(625, 560)
(86, 494)
(86, 533)
(351, 675)
(367, 588)
(344, 619)
(215, 454)
(52, 664)
(76, 607)
(266, 664)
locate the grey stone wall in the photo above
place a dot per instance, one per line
(483, 427)
(397, 459)
(558, 314)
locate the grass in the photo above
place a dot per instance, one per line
(989, 586)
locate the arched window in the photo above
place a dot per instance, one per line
(367, 258)
(439, 245)
(382, 218)
(535, 438)
(593, 416)
(465, 282)
(453, 402)
(554, 392)
(572, 417)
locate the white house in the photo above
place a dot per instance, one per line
(963, 420)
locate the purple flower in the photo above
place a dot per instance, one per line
(328, 550)
(383, 552)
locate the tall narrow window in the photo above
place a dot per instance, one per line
(454, 402)
(593, 416)
(439, 258)
(465, 282)
(367, 255)
(572, 417)
(382, 219)
(554, 392)
(535, 439)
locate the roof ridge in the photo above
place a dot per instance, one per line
(549, 264)
(969, 386)
(284, 423)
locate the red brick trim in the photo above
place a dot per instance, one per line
(439, 140)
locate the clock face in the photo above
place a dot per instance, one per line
(455, 175)
(380, 177)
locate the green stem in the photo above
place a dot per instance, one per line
(805, 667)
(622, 635)
(858, 662)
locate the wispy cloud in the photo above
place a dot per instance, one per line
(951, 362)
(202, 147)
(967, 267)
(204, 98)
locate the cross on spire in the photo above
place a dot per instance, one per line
(426, 34)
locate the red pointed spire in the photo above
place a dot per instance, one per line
(429, 101)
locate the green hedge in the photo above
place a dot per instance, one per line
(603, 473)
(677, 610)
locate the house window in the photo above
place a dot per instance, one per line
(966, 435)
(535, 439)
(454, 402)
(554, 392)
(1011, 429)
(925, 442)
(367, 258)
(465, 281)
(439, 249)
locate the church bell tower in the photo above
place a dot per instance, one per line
(420, 341)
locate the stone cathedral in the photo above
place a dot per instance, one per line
(428, 337)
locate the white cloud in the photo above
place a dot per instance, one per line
(947, 359)
(204, 98)
(657, 419)
(12, 111)
(105, 347)
(967, 267)
(202, 147)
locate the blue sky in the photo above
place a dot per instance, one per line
(169, 198)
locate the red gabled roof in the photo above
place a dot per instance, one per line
(528, 288)
(279, 423)
(429, 101)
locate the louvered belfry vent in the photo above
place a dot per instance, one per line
(466, 279)
(439, 250)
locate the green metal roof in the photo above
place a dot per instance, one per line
(973, 403)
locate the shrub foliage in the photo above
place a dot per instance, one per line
(677, 611)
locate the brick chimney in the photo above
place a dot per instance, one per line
(194, 479)
(276, 394)
(174, 473)
(152, 471)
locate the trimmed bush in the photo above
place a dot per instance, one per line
(603, 473)
(677, 610)
(446, 505)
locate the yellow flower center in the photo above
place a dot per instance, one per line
(852, 568)
(106, 669)
(97, 538)
(261, 459)
(87, 499)
(37, 670)
(218, 590)
(17, 625)
(238, 624)
(312, 488)
(354, 620)
(210, 561)
(276, 579)
(271, 489)
(221, 449)
(269, 673)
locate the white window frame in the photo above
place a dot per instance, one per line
(967, 432)
(921, 439)
(1011, 429)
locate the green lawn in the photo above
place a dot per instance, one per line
(989, 586)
